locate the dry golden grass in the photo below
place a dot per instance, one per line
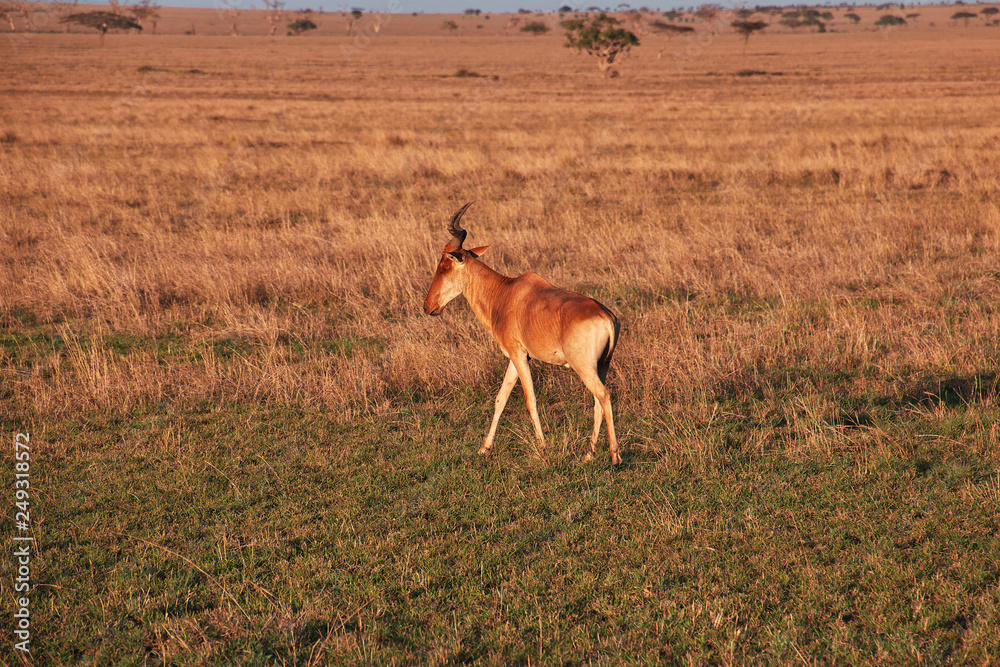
(272, 196)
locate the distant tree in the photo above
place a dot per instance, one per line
(709, 13)
(747, 28)
(300, 26)
(63, 9)
(807, 22)
(536, 28)
(8, 15)
(670, 30)
(810, 21)
(565, 9)
(890, 21)
(601, 38)
(233, 15)
(102, 22)
(13, 8)
(853, 18)
(450, 25)
(354, 16)
(273, 15)
(990, 11)
(145, 10)
(965, 16)
(8, 12)
(473, 12)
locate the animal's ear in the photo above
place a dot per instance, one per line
(457, 255)
(476, 252)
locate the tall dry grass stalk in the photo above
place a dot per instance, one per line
(270, 237)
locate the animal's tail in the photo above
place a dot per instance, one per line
(614, 327)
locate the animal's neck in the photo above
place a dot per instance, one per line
(482, 288)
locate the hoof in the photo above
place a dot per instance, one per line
(616, 460)
(484, 451)
(589, 457)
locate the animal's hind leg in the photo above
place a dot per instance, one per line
(598, 416)
(594, 380)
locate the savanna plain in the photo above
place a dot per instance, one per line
(251, 446)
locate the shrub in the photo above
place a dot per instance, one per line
(536, 28)
(300, 26)
(890, 21)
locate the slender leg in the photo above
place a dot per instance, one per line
(616, 458)
(509, 378)
(602, 404)
(524, 373)
(598, 416)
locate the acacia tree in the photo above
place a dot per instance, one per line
(273, 14)
(355, 15)
(63, 9)
(601, 38)
(709, 13)
(890, 21)
(233, 15)
(965, 16)
(145, 10)
(102, 22)
(14, 7)
(747, 28)
(670, 30)
(7, 12)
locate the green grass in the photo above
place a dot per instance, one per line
(221, 533)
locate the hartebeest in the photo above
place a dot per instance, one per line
(531, 319)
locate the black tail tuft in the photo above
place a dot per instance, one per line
(604, 361)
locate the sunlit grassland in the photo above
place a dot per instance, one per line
(252, 445)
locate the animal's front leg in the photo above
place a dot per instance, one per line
(509, 378)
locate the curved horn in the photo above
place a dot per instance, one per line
(458, 234)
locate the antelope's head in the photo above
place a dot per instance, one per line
(450, 277)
